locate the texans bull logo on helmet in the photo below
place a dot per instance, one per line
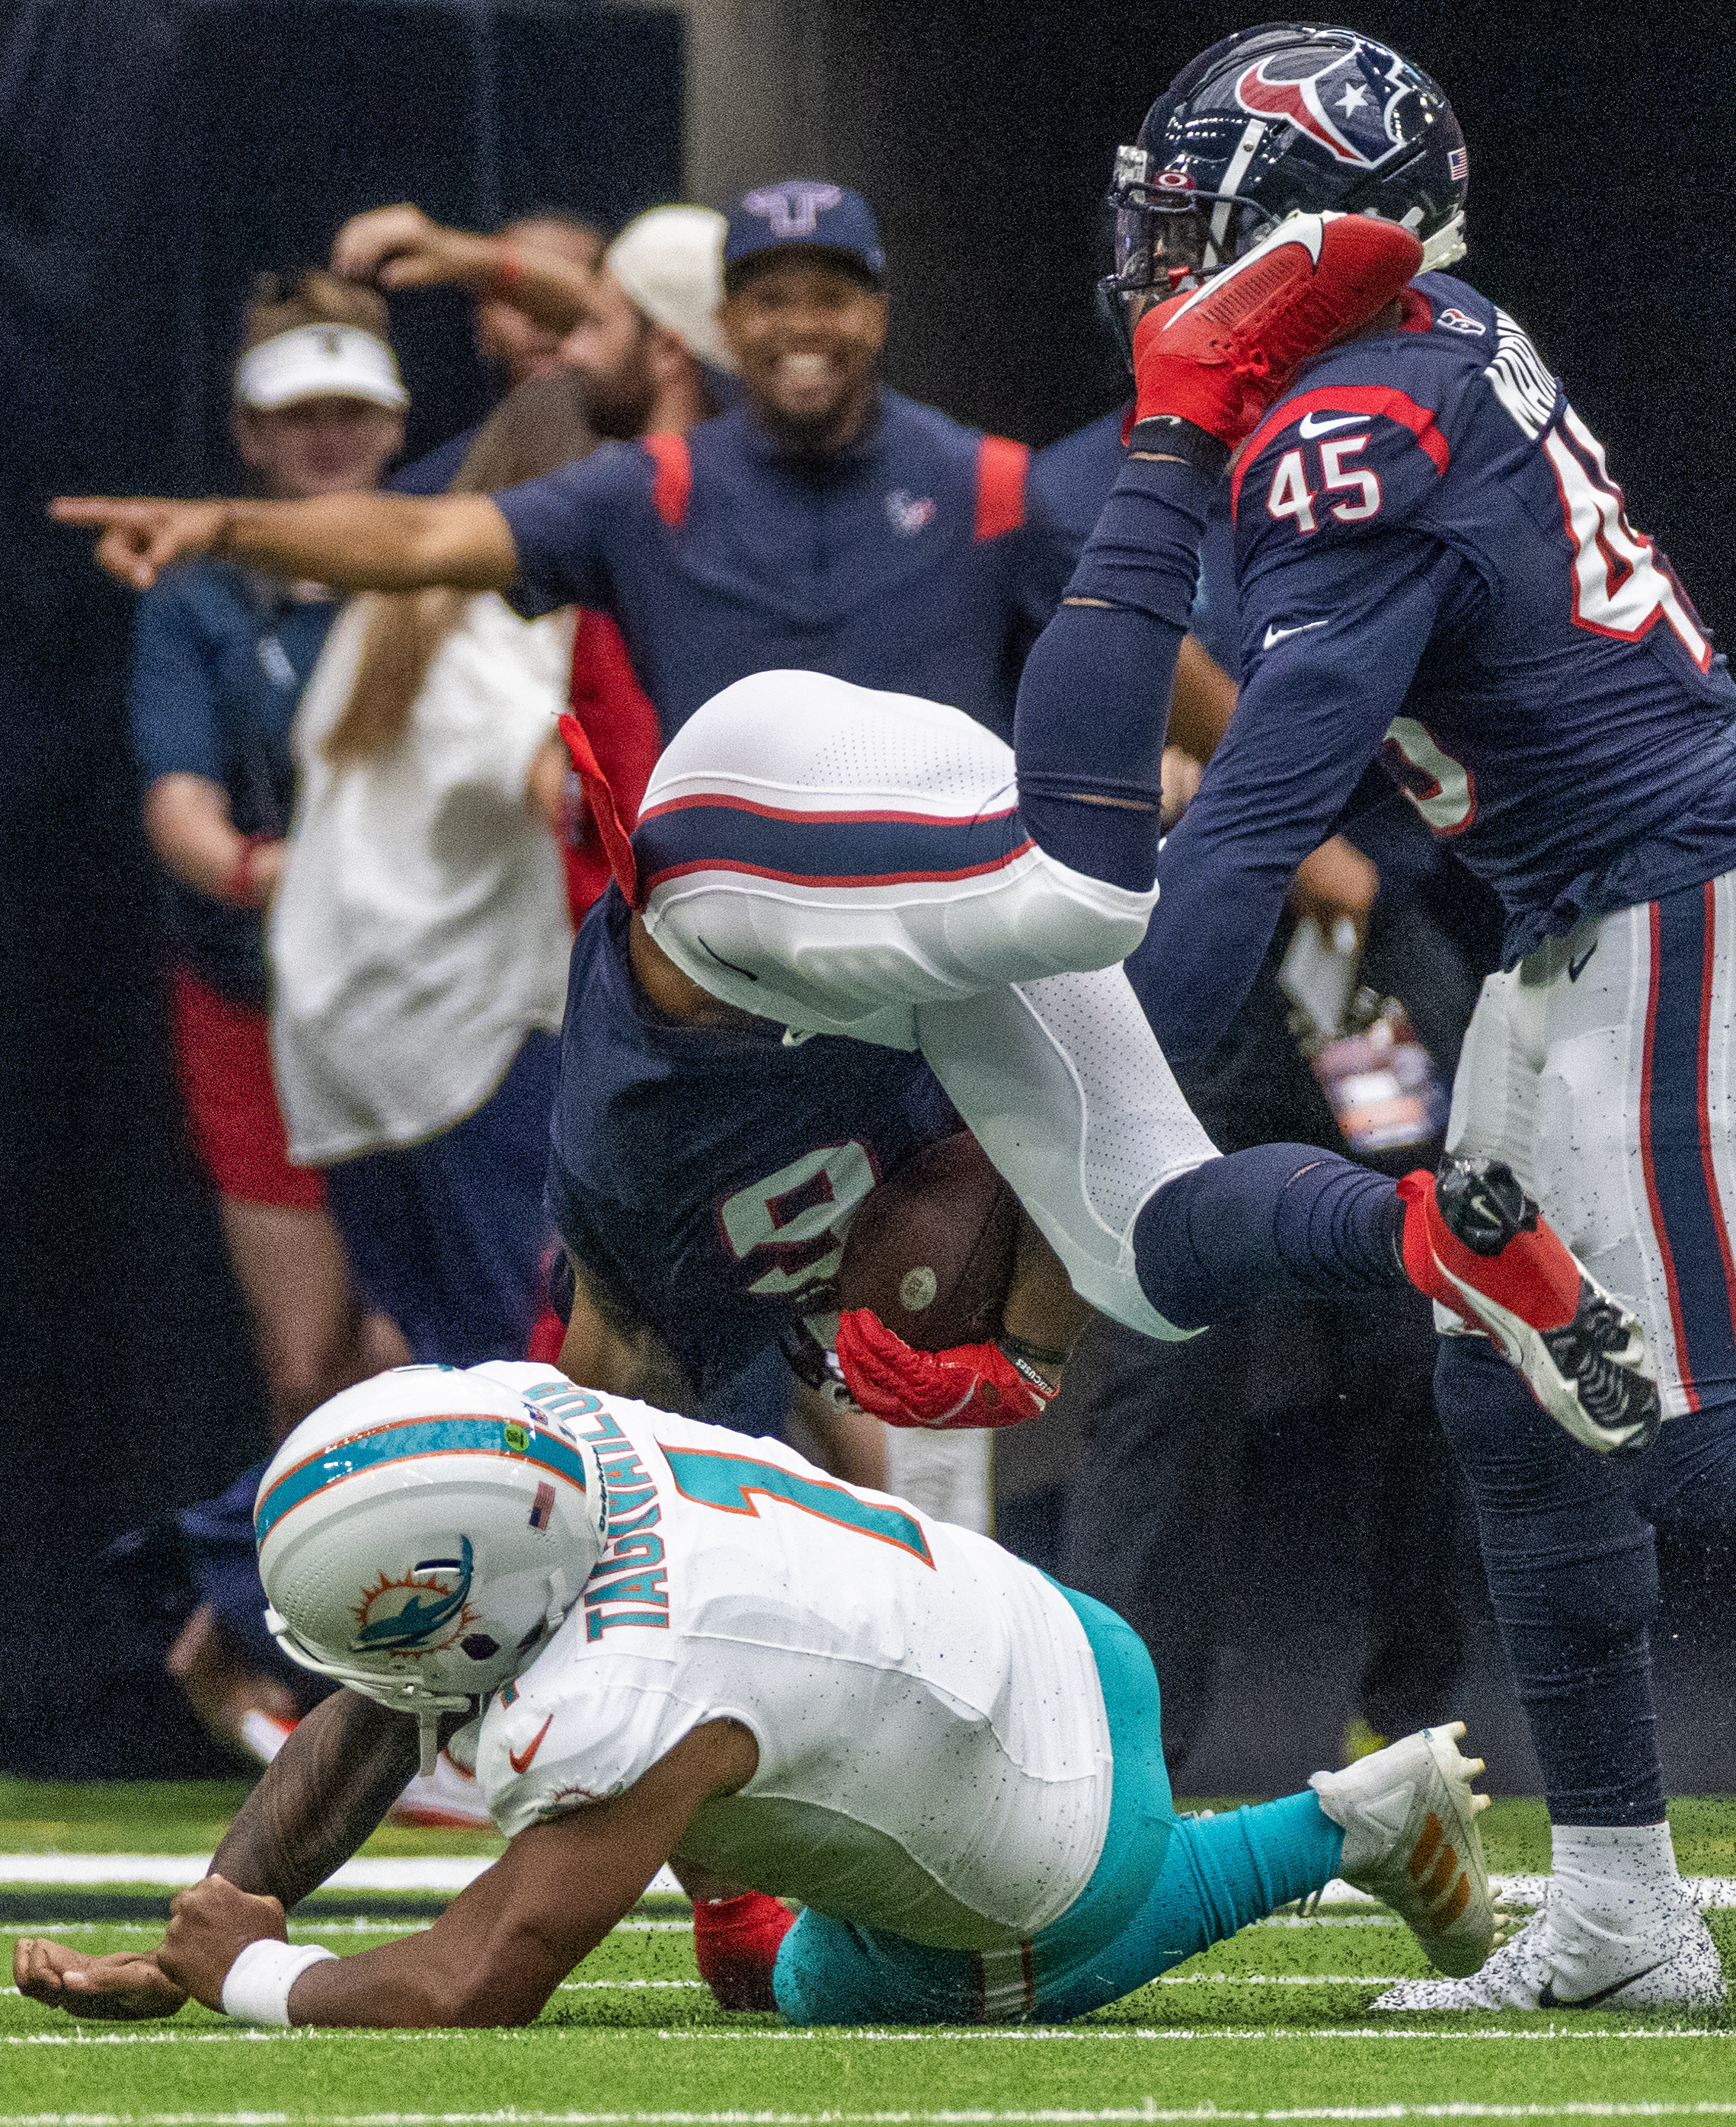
(1347, 106)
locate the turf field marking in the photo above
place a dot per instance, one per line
(339, 1925)
(1000, 2034)
(1594, 2109)
(1187, 1979)
(1099, 2035)
(581, 1986)
(173, 1871)
(454, 1872)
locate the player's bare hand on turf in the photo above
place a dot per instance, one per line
(120, 1986)
(211, 1923)
(401, 247)
(143, 535)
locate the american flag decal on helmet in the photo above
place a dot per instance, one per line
(543, 1508)
(1458, 164)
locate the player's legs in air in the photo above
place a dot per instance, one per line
(1401, 1823)
(844, 861)
(1622, 1131)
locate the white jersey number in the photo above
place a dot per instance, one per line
(1618, 589)
(1448, 801)
(1290, 496)
(794, 1221)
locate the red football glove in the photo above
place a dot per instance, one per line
(972, 1385)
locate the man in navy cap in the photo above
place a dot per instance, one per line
(820, 521)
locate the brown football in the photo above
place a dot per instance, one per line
(931, 1249)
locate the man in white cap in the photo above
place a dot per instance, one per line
(639, 327)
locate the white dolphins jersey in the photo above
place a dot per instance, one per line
(934, 1753)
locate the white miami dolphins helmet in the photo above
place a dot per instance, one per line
(421, 1534)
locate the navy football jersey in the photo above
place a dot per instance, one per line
(908, 560)
(1434, 563)
(705, 1176)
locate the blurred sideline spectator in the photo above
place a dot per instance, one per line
(637, 324)
(419, 937)
(418, 945)
(221, 652)
(513, 344)
(820, 520)
(509, 341)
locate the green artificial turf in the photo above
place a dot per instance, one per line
(163, 1816)
(1274, 2023)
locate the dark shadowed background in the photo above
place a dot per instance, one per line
(153, 153)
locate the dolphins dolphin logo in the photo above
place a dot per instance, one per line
(425, 1612)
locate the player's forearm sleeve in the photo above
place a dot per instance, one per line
(1093, 701)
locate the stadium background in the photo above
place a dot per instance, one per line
(152, 151)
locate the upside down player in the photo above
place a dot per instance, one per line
(1434, 565)
(686, 1647)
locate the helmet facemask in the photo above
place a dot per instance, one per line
(1281, 119)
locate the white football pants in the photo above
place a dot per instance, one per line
(1600, 1068)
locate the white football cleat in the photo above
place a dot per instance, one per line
(446, 1799)
(1563, 1959)
(1411, 1838)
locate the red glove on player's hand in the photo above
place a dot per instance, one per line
(972, 1385)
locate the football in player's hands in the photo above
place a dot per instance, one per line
(972, 1385)
(931, 1250)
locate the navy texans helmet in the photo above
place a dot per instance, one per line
(1284, 119)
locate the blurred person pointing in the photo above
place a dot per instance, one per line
(824, 522)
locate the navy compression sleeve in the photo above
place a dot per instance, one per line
(1093, 701)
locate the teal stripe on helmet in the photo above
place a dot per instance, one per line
(476, 1435)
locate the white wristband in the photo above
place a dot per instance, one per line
(258, 1988)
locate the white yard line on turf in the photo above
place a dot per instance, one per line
(1089, 2035)
(454, 1873)
(1165, 1979)
(446, 1873)
(337, 1925)
(1595, 2109)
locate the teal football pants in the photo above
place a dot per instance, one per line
(1163, 1889)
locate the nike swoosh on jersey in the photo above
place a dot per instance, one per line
(1549, 1999)
(1276, 634)
(1575, 968)
(1311, 424)
(520, 1761)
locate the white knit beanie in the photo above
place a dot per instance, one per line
(670, 262)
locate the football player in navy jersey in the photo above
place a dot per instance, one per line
(1436, 568)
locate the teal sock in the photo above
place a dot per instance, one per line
(1218, 1873)
(1246, 1862)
